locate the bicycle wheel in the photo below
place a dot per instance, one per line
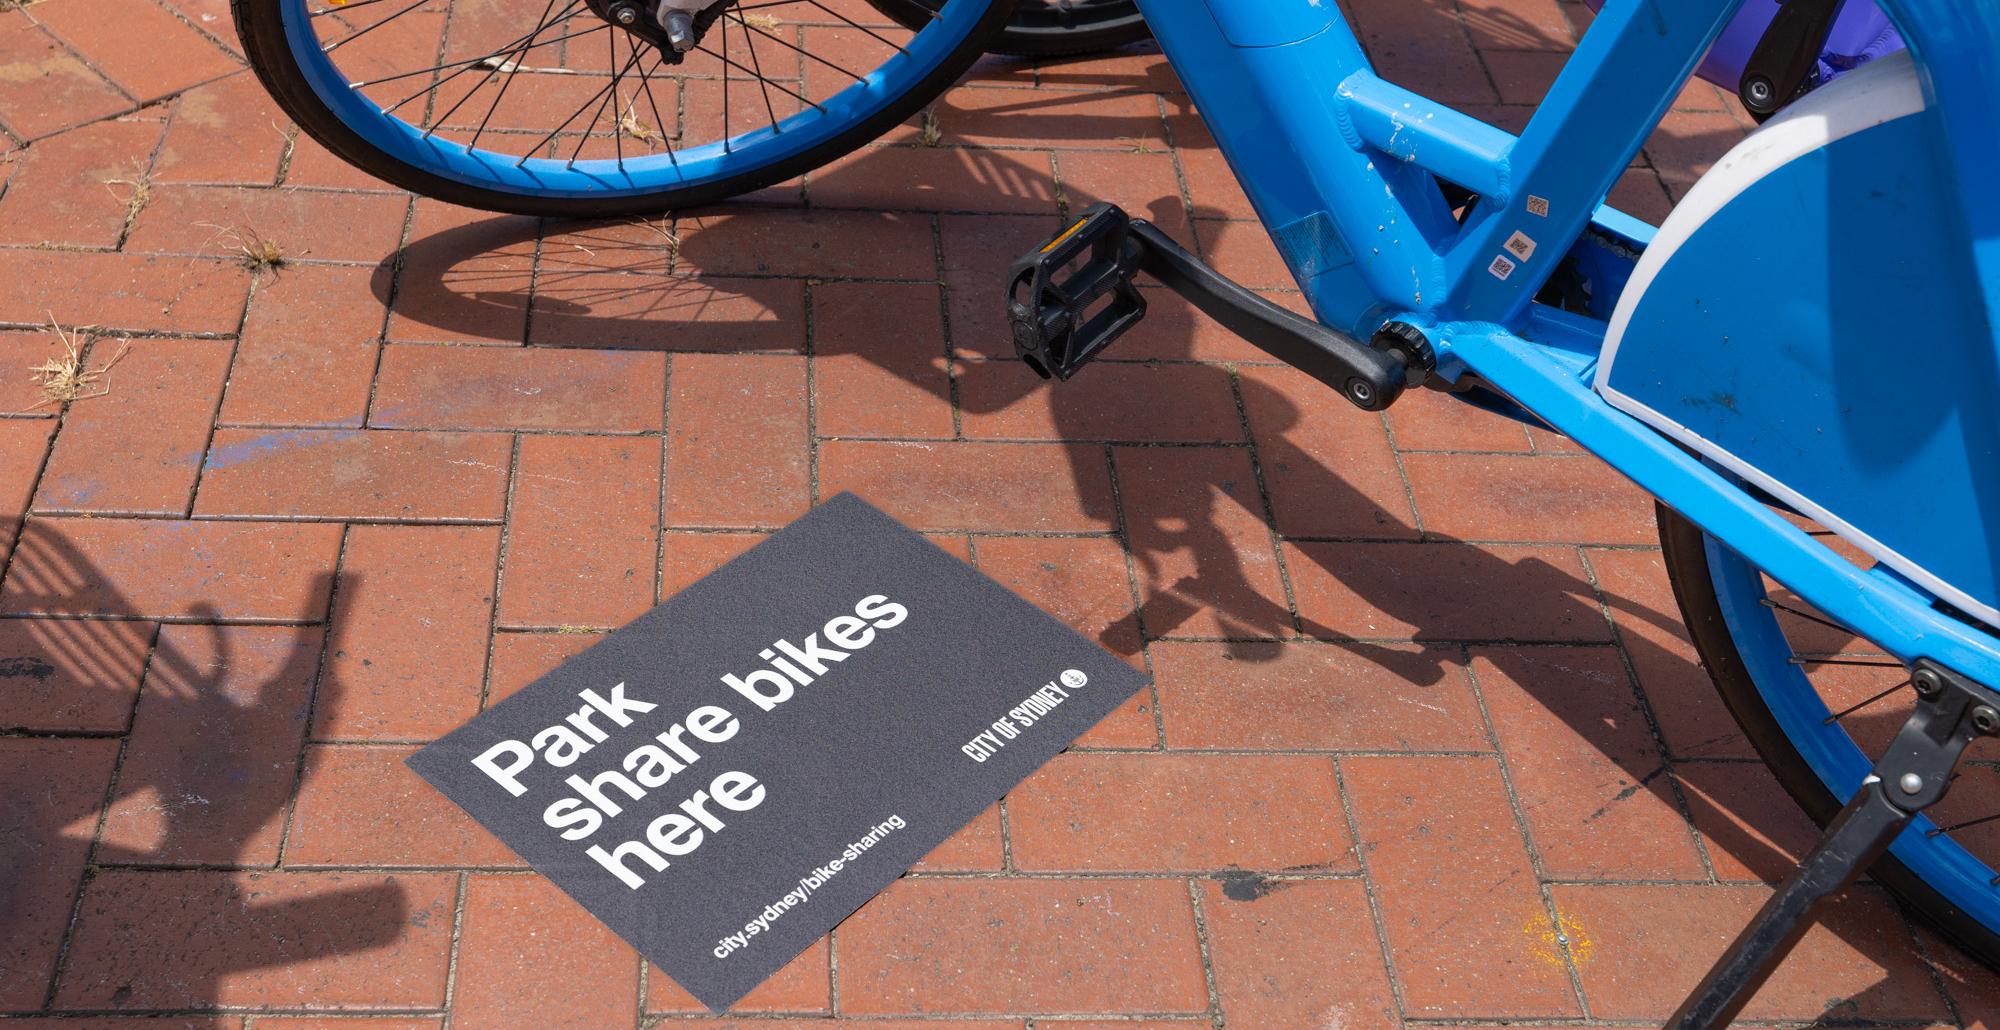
(1784, 672)
(1047, 28)
(554, 110)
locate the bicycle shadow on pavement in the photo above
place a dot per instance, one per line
(990, 383)
(1188, 544)
(214, 719)
(1187, 555)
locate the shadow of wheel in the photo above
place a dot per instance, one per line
(1046, 28)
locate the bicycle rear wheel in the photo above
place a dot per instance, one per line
(549, 109)
(1047, 28)
(1784, 671)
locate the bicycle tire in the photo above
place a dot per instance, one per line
(1041, 28)
(280, 44)
(1687, 553)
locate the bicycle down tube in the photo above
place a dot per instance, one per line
(1338, 164)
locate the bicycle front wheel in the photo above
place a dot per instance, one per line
(553, 108)
(1820, 705)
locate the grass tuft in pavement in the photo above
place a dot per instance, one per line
(63, 379)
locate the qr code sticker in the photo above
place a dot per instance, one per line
(1521, 246)
(1501, 267)
(1538, 206)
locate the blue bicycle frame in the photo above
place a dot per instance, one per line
(1313, 134)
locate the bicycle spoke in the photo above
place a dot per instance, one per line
(864, 28)
(428, 90)
(1837, 716)
(722, 29)
(344, 40)
(1963, 825)
(762, 84)
(659, 124)
(545, 22)
(610, 92)
(342, 9)
(617, 128)
(1836, 709)
(738, 67)
(558, 129)
(472, 60)
(437, 123)
(505, 63)
(816, 57)
(1768, 603)
(513, 68)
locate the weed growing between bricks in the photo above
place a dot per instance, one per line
(63, 379)
(255, 252)
(140, 187)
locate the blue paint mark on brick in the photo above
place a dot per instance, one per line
(272, 443)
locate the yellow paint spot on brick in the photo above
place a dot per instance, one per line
(1548, 943)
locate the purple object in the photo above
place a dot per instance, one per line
(1860, 34)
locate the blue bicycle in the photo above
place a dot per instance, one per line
(1803, 355)
(1801, 363)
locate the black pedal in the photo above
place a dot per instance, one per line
(1062, 319)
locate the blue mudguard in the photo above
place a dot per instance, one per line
(1850, 372)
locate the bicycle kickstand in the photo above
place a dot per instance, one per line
(1911, 776)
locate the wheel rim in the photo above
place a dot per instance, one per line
(1959, 865)
(424, 107)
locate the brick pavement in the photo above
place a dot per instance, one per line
(1427, 743)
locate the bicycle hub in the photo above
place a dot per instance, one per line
(673, 27)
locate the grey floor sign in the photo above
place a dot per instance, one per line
(735, 772)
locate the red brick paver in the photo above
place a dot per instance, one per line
(583, 533)
(1427, 744)
(524, 941)
(52, 89)
(71, 675)
(973, 946)
(57, 785)
(262, 940)
(413, 826)
(1442, 846)
(172, 57)
(1183, 813)
(805, 984)
(137, 450)
(58, 196)
(1297, 953)
(214, 745)
(407, 657)
(307, 353)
